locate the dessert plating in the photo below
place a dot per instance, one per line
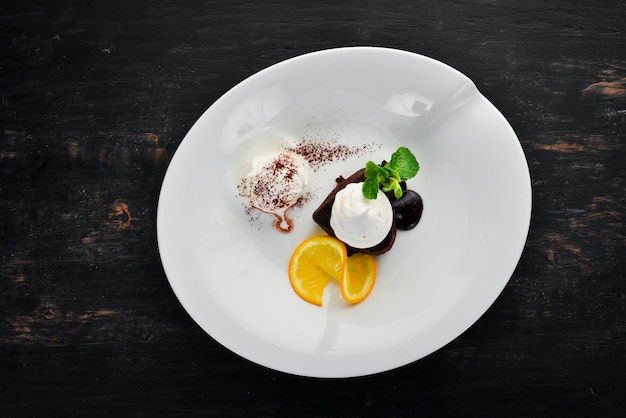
(359, 220)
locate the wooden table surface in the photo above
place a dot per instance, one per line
(95, 98)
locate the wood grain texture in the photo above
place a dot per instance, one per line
(95, 97)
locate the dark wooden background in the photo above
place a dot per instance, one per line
(95, 97)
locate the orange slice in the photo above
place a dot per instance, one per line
(314, 263)
(359, 281)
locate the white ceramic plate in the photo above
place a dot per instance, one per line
(229, 269)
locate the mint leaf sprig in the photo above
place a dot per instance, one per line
(402, 166)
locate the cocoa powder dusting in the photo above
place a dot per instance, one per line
(271, 191)
(274, 188)
(319, 153)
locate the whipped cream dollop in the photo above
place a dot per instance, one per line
(358, 221)
(275, 183)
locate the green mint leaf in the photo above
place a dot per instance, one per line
(392, 173)
(405, 163)
(373, 170)
(391, 184)
(397, 191)
(402, 166)
(387, 185)
(370, 188)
